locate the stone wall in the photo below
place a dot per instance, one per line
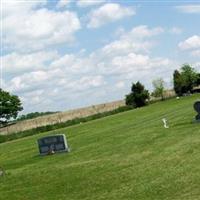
(60, 117)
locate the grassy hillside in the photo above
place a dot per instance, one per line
(126, 156)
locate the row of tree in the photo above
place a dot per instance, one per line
(184, 81)
(33, 115)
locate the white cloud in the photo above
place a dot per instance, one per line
(136, 62)
(86, 3)
(189, 8)
(126, 46)
(16, 63)
(61, 82)
(136, 40)
(88, 82)
(128, 58)
(73, 64)
(143, 31)
(34, 80)
(51, 83)
(57, 80)
(28, 81)
(107, 13)
(34, 29)
(14, 7)
(190, 43)
(132, 60)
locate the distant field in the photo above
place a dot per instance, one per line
(127, 156)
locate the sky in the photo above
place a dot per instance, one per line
(65, 54)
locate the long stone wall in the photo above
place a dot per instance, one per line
(60, 117)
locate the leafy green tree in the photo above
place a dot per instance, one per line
(159, 87)
(177, 82)
(10, 105)
(185, 80)
(198, 80)
(189, 78)
(138, 96)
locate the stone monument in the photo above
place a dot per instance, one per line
(53, 144)
(197, 109)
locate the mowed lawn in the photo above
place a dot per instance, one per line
(125, 156)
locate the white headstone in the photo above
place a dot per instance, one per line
(165, 123)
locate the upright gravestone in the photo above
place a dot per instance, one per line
(197, 109)
(165, 123)
(53, 144)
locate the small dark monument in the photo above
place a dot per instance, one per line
(197, 108)
(53, 144)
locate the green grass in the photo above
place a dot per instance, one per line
(50, 127)
(127, 156)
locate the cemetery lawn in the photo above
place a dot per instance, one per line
(127, 156)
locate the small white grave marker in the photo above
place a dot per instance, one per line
(1, 171)
(165, 123)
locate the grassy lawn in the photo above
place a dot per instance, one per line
(125, 156)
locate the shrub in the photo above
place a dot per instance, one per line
(138, 97)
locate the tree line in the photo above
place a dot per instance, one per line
(33, 115)
(184, 81)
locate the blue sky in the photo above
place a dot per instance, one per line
(60, 55)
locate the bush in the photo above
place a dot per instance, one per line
(138, 97)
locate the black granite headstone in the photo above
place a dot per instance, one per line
(197, 109)
(53, 144)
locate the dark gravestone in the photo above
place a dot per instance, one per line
(197, 108)
(53, 144)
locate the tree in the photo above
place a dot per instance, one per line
(198, 80)
(10, 105)
(34, 115)
(159, 88)
(185, 80)
(138, 96)
(177, 82)
(189, 78)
